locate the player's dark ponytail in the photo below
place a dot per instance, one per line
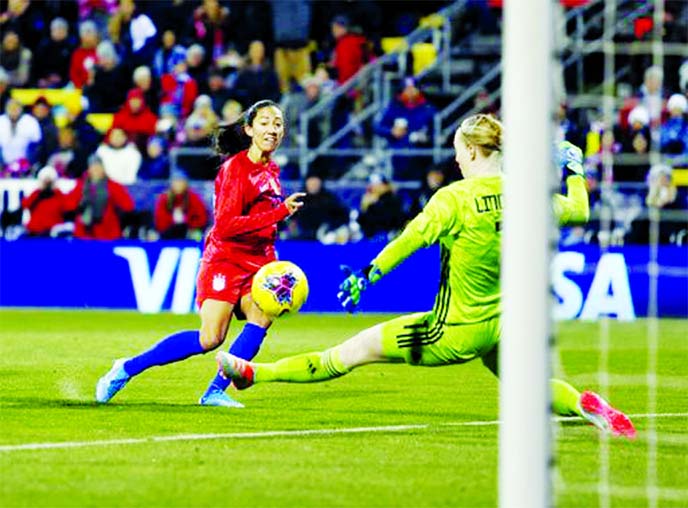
(231, 138)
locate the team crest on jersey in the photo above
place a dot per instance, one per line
(219, 282)
(281, 286)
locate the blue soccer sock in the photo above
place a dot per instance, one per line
(176, 347)
(245, 346)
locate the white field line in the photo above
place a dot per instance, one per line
(283, 433)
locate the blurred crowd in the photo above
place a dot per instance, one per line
(168, 71)
(97, 207)
(634, 160)
(165, 73)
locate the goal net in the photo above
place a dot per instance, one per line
(603, 306)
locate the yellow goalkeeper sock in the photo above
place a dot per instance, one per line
(565, 398)
(305, 368)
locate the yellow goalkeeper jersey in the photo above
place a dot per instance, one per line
(466, 218)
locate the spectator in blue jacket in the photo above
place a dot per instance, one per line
(674, 131)
(169, 53)
(407, 123)
(156, 163)
(257, 80)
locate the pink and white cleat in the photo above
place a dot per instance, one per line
(601, 414)
(238, 370)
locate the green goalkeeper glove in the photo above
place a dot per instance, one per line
(570, 159)
(350, 289)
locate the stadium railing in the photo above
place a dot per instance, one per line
(379, 76)
(376, 79)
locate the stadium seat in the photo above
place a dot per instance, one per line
(101, 121)
(434, 20)
(393, 44)
(593, 142)
(424, 55)
(69, 98)
(680, 177)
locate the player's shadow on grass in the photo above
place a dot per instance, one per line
(50, 403)
(256, 404)
(576, 423)
(43, 402)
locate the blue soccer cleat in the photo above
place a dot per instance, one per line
(112, 382)
(219, 398)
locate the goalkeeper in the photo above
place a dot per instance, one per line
(465, 219)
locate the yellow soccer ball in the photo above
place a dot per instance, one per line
(279, 288)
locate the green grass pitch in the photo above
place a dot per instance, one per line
(432, 437)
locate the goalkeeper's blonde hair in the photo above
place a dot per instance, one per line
(483, 131)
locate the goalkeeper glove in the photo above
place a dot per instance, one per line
(570, 159)
(350, 289)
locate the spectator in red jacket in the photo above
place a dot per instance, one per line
(98, 202)
(136, 119)
(350, 51)
(46, 204)
(349, 56)
(84, 57)
(180, 212)
(178, 88)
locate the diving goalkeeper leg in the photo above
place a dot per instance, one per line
(567, 401)
(366, 347)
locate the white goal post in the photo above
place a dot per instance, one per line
(524, 398)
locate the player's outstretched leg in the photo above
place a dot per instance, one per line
(366, 347)
(567, 401)
(305, 368)
(246, 347)
(176, 347)
(215, 318)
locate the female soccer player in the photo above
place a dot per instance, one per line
(464, 218)
(248, 206)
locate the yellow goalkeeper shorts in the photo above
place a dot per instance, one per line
(419, 339)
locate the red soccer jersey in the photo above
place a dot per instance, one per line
(248, 206)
